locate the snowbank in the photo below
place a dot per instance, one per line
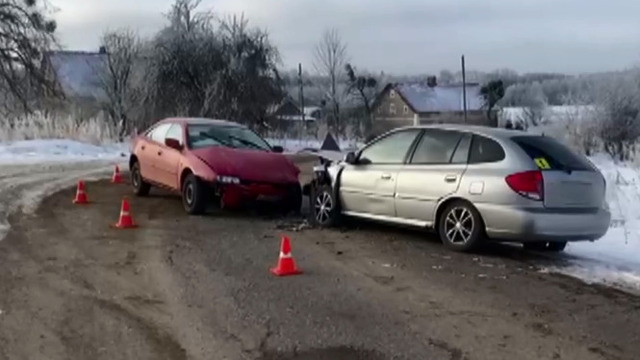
(46, 151)
(615, 258)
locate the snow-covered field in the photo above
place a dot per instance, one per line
(39, 151)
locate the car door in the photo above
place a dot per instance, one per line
(368, 186)
(432, 173)
(168, 159)
(148, 150)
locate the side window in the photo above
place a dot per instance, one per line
(485, 150)
(158, 134)
(436, 147)
(461, 155)
(175, 132)
(391, 149)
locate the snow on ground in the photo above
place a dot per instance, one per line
(41, 151)
(32, 169)
(615, 258)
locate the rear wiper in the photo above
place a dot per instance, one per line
(566, 168)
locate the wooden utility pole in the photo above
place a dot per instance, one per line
(304, 122)
(464, 90)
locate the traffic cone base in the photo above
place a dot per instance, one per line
(126, 220)
(117, 177)
(286, 264)
(81, 195)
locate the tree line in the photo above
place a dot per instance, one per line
(204, 65)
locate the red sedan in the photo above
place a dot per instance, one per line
(215, 160)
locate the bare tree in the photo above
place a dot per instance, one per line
(535, 105)
(203, 66)
(619, 103)
(365, 88)
(25, 35)
(330, 58)
(122, 53)
(580, 124)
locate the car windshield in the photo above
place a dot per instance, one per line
(205, 135)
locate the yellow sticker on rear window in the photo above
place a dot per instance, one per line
(542, 163)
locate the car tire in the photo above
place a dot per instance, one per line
(140, 187)
(460, 227)
(194, 195)
(550, 246)
(325, 211)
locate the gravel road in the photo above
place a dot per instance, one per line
(180, 287)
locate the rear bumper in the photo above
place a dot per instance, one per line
(526, 225)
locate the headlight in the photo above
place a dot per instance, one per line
(228, 180)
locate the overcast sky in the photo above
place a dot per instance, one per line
(406, 36)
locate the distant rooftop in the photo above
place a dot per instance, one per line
(440, 98)
(78, 72)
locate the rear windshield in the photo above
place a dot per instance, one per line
(550, 154)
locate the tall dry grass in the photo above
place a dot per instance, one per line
(97, 130)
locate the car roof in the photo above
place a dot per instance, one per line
(201, 121)
(476, 129)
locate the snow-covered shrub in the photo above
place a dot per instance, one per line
(96, 130)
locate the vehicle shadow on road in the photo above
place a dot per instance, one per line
(429, 239)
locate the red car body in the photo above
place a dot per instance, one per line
(235, 175)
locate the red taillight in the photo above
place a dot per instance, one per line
(528, 184)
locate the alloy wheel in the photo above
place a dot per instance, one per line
(459, 225)
(323, 207)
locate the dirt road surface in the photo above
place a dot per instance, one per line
(180, 287)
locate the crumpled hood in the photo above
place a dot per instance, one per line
(250, 165)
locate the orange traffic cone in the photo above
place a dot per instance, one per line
(126, 220)
(81, 195)
(286, 264)
(117, 177)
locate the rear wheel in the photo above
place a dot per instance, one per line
(460, 227)
(324, 206)
(194, 195)
(549, 246)
(140, 187)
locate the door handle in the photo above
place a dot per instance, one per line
(450, 178)
(385, 176)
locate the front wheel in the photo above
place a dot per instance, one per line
(194, 195)
(324, 206)
(461, 227)
(550, 246)
(140, 187)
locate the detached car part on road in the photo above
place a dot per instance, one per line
(468, 184)
(213, 160)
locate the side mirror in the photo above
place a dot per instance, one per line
(173, 143)
(278, 149)
(350, 158)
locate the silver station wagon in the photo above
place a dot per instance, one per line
(469, 184)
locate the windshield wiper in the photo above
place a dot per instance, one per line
(213, 137)
(247, 142)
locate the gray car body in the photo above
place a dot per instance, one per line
(415, 194)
